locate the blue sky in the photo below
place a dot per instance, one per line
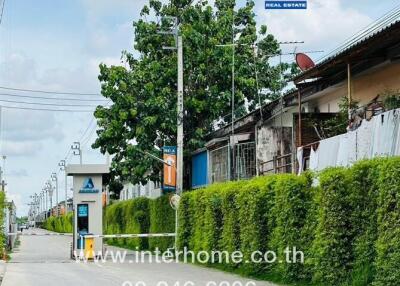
(58, 44)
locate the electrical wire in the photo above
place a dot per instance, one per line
(48, 104)
(383, 21)
(52, 98)
(46, 109)
(47, 91)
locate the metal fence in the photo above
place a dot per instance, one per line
(245, 160)
(279, 164)
(219, 164)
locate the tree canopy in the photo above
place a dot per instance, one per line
(141, 116)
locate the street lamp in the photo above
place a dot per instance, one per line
(49, 189)
(77, 151)
(54, 178)
(62, 168)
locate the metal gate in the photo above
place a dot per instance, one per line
(245, 160)
(219, 164)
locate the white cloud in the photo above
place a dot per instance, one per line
(324, 25)
(17, 173)
(21, 149)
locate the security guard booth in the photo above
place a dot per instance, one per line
(88, 207)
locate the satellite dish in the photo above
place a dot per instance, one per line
(304, 62)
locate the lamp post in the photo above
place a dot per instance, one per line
(49, 189)
(77, 151)
(54, 178)
(62, 168)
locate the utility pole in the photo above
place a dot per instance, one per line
(180, 111)
(180, 118)
(77, 151)
(54, 178)
(62, 168)
(49, 189)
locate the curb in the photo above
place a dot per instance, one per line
(3, 266)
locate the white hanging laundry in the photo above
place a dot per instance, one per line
(314, 154)
(353, 147)
(396, 133)
(328, 151)
(343, 150)
(377, 130)
(364, 139)
(300, 160)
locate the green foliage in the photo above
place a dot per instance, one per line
(256, 221)
(391, 99)
(388, 243)
(335, 232)
(338, 124)
(140, 215)
(2, 217)
(292, 203)
(143, 93)
(346, 224)
(162, 220)
(60, 224)
(128, 217)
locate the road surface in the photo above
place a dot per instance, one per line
(44, 260)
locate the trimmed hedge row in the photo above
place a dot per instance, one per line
(3, 238)
(140, 215)
(61, 224)
(345, 220)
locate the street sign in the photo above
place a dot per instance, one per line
(169, 156)
(276, 5)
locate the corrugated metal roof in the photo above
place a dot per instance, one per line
(333, 55)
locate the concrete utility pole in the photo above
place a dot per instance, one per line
(62, 168)
(77, 151)
(54, 178)
(180, 111)
(180, 118)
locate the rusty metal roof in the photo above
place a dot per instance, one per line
(352, 46)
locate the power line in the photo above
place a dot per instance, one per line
(48, 104)
(47, 91)
(386, 19)
(51, 98)
(46, 109)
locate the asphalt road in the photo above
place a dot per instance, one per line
(44, 260)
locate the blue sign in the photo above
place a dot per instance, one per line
(285, 4)
(83, 210)
(199, 170)
(88, 187)
(169, 150)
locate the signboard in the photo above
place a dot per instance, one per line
(83, 210)
(170, 168)
(88, 187)
(274, 5)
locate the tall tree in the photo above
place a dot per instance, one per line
(142, 114)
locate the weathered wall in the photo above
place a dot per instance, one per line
(365, 87)
(268, 142)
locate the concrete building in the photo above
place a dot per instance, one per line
(150, 190)
(266, 140)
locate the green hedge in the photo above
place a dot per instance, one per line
(345, 221)
(61, 224)
(162, 220)
(140, 215)
(3, 238)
